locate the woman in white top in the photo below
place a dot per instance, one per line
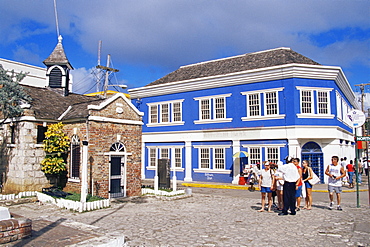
(265, 184)
(278, 183)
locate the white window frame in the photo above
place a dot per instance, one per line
(216, 159)
(339, 106)
(262, 93)
(153, 114)
(164, 113)
(164, 153)
(276, 104)
(320, 103)
(314, 102)
(150, 163)
(165, 118)
(269, 155)
(212, 109)
(177, 157)
(257, 159)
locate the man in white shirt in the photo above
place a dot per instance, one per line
(335, 173)
(291, 178)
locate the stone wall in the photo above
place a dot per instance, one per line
(20, 165)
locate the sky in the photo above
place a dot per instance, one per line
(148, 39)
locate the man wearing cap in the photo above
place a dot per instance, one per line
(291, 179)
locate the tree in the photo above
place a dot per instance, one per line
(12, 94)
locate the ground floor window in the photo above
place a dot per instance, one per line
(272, 154)
(254, 155)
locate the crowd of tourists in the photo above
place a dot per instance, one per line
(293, 180)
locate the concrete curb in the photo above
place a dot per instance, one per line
(242, 187)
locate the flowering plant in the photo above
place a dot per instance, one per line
(56, 144)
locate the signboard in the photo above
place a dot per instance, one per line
(357, 118)
(363, 138)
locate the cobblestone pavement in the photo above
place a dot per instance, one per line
(216, 217)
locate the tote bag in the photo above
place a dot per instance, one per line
(315, 179)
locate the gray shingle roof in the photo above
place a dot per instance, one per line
(48, 104)
(58, 56)
(250, 61)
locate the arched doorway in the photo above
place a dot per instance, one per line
(117, 170)
(312, 152)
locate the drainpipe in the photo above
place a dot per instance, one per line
(84, 172)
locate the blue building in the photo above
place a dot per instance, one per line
(269, 103)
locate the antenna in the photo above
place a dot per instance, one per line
(56, 16)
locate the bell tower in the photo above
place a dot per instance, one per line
(58, 70)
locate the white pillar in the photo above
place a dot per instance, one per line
(173, 165)
(156, 178)
(188, 168)
(84, 171)
(236, 170)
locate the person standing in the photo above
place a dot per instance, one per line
(278, 183)
(291, 179)
(306, 176)
(350, 171)
(266, 186)
(366, 166)
(335, 173)
(298, 192)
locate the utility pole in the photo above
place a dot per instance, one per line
(108, 71)
(362, 88)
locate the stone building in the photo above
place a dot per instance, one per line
(109, 128)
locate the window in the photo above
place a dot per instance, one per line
(41, 133)
(204, 158)
(220, 107)
(322, 100)
(262, 104)
(219, 154)
(205, 111)
(178, 158)
(153, 114)
(164, 153)
(272, 154)
(271, 103)
(254, 155)
(152, 156)
(315, 102)
(12, 134)
(75, 157)
(165, 113)
(212, 109)
(306, 102)
(177, 112)
(254, 105)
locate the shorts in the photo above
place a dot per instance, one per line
(337, 189)
(266, 190)
(308, 185)
(298, 191)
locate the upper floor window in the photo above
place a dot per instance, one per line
(212, 109)
(254, 104)
(165, 113)
(315, 102)
(262, 104)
